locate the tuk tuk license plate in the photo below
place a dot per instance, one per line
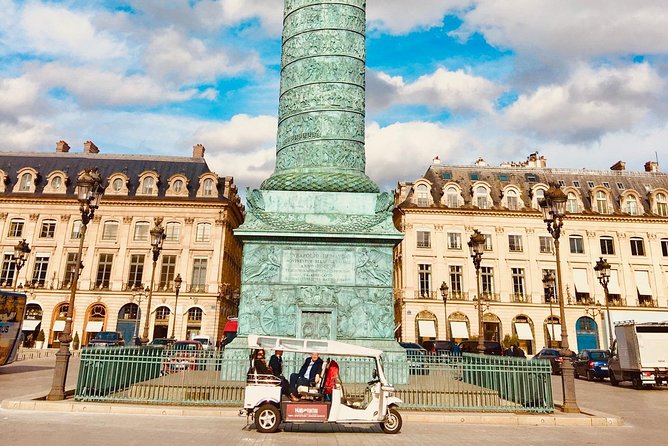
(306, 412)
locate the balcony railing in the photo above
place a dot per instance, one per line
(520, 298)
(426, 294)
(458, 295)
(491, 297)
(647, 303)
(617, 302)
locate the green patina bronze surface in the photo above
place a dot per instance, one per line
(321, 108)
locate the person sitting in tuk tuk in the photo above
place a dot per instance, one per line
(306, 377)
(259, 363)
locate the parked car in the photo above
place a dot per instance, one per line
(162, 342)
(491, 347)
(441, 347)
(107, 339)
(184, 355)
(417, 357)
(552, 355)
(591, 364)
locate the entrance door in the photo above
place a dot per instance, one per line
(128, 318)
(317, 325)
(586, 331)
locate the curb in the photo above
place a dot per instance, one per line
(587, 417)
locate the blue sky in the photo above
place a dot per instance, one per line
(583, 83)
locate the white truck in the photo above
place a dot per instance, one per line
(639, 354)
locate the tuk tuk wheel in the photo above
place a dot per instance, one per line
(267, 418)
(392, 423)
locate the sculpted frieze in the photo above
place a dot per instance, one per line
(316, 97)
(343, 154)
(327, 125)
(322, 69)
(324, 17)
(323, 42)
(293, 5)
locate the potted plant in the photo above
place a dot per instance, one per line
(39, 343)
(75, 341)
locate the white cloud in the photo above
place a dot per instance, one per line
(56, 31)
(17, 97)
(591, 103)
(403, 151)
(396, 17)
(452, 90)
(557, 30)
(171, 55)
(241, 134)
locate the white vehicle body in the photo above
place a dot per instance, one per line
(264, 392)
(640, 354)
(206, 341)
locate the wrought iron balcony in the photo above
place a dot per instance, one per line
(520, 298)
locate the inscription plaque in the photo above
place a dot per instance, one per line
(303, 266)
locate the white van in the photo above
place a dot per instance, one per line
(206, 341)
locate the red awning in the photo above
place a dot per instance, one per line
(231, 326)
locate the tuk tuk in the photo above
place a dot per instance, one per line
(325, 402)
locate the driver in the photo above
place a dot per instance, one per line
(306, 376)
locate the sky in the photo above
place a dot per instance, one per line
(582, 83)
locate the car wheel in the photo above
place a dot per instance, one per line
(613, 379)
(267, 418)
(392, 423)
(636, 382)
(590, 375)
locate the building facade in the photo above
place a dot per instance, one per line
(619, 215)
(199, 211)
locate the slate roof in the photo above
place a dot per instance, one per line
(108, 164)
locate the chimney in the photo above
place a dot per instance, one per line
(651, 166)
(90, 147)
(619, 166)
(436, 160)
(198, 151)
(62, 147)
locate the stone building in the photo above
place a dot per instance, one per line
(617, 214)
(200, 211)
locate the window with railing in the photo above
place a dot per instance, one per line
(423, 239)
(424, 280)
(550, 293)
(39, 270)
(487, 280)
(104, 271)
(70, 268)
(167, 271)
(515, 243)
(198, 282)
(518, 282)
(456, 280)
(8, 270)
(136, 271)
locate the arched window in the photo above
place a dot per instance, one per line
(25, 183)
(512, 201)
(147, 186)
(661, 205)
(572, 203)
(141, 231)
(203, 232)
(56, 182)
(631, 205)
(452, 197)
(208, 188)
(110, 231)
(601, 202)
(178, 186)
(422, 195)
(481, 197)
(172, 231)
(194, 324)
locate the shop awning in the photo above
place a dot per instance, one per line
(427, 329)
(642, 283)
(557, 331)
(523, 331)
(30, 325)
(613, 284)
(94, 326)
(58, 326)
(580, 279)
(459, 330)
(231, 326)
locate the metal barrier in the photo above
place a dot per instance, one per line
(463, 383)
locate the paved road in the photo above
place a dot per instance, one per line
(643, 411)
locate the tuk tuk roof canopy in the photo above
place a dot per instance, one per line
(321, 346)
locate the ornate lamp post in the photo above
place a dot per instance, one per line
(444, 296)
(548, 285)
(157, 237)
(602, 269)
(177, 288)
(89, 192)
(138, 294)
(477, 246)
(554, 208)
(21, 251)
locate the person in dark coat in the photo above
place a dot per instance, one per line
(276, 363)
(260, 364)
(306, 376)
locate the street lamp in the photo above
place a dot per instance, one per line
(21, 251)
(602, 269)
(548, 285)
(89, 191)
(157, 237)
(553, 205)
(477, 246)
(137, 294)
(444, 296)
(177, 288)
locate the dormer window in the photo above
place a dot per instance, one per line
(178, 186)
(572, 203)
(148, 183)
(661, 204)
(208, 183)
(422, 195)
(601, 202)
(482, 197)
(453, 198)
(511, 198)
(56, 183)
(631, 205)
(147, 186)
(117, 185)
(25, 183)
(208, 187)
